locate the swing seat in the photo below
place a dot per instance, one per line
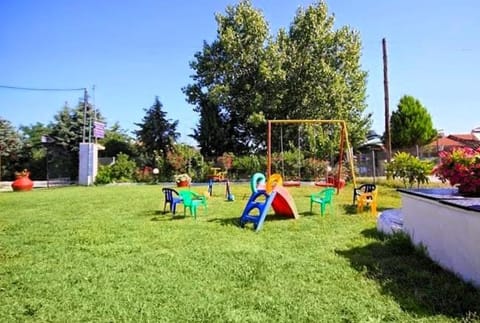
(291, 183)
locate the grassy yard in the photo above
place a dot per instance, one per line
(108, 254)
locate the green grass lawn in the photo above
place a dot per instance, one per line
(108, 254)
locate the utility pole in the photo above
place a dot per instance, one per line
(388, 140)
(85, 103)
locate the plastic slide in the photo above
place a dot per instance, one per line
(260, 201)
(283, 203)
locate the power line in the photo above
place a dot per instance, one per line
(38, 89)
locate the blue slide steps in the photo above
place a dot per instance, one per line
(261, 206)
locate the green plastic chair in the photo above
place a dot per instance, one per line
(192, 200)
(324, 198)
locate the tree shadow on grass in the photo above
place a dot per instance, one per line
(418, 284)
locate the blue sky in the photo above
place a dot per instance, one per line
(134, 50)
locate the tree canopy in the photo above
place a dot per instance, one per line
(10, 145)
(246, 76)
(411, 124)
(157, 134)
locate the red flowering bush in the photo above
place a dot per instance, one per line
(460, 167)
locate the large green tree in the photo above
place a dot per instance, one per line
(228, 81)
(10, 148)
(411, 124)
(324, 79)
(246, 76)
(157, 134)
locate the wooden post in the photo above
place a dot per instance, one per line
(269, 148)
(388, 140)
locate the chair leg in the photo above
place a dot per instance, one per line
(193, 211)
(373, 207)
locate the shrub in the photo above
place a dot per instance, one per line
(144, 175)
(409, 169)
(124, 169)
(104, 175)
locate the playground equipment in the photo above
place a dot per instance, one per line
(228, 194)
(344, 146)
(216, 174)
(331, 182)
(266, 195)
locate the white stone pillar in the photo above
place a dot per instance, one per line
(88, 163)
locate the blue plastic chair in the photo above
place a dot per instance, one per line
(172, 198)
(324, 198)
(192, 200)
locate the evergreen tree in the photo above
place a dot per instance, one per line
(67, 133)
(10, 148)
(157, 134)
(411, 124)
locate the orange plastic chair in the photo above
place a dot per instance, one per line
(367, 199)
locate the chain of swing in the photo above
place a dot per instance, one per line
(299, 154)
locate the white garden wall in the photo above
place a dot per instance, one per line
(450, 233)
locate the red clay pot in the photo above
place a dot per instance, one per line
(183, 184)
(22, 183)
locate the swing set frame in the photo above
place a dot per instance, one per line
(343, 142)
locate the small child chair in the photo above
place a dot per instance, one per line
(324, 198)
(192, 200)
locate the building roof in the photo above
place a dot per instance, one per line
(467, 136)
(456, 140)
(467, 140)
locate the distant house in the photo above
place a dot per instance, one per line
(469, 140)
(453, 141)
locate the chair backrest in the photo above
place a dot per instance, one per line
(328, 194)
(367, 188)
(168, 192)
(364, 188)
(187, 197)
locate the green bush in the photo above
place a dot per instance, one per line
(246, 166)
(104, 175)
(124, 169)
(409, 169)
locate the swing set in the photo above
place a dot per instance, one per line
(343, 145)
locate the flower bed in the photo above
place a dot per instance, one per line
(460, 167)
